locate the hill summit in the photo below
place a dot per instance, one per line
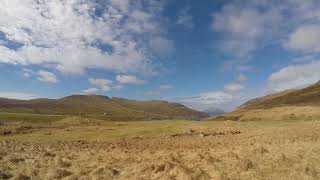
(102, 107)
(287, 105)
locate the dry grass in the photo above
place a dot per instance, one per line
(273, 114)
(92, 149)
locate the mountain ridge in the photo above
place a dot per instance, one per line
(101, 107)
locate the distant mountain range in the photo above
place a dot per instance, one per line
(102, 107)
(303, 104)
(214, 111)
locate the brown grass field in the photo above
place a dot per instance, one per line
(77, 148)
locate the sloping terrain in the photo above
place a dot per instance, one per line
(309, 96)
(291, 104)
(100, 106)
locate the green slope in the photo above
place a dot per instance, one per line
(100, 106)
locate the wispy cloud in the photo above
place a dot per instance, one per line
(247, 26)
(294, 76)
(207, 100)
(47, 76)
(102, 84)
(90, 90)
(18, 95)
(185, 18)
(76, 35)
(129, 79)
(305, 38)
(234, 87)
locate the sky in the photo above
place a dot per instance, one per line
(205, 54)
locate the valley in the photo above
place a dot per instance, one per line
(273, 137)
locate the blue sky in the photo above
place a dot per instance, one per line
(205, 54)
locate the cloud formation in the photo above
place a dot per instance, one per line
(18, 95)
(185, 18)
(305, 38)
(294, 76)
(247, 26)
(244, 27)
(162, 47)
(46, 76)
(76, 35)
(233, 87)
(206, 100)
(90, 90)
(129, 79)
(100, 84)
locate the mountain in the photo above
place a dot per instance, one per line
(214, 111)
(287, 105)
(102, 107)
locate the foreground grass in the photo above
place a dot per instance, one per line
(32, 118)
(74, 128)
(77, 148)
(51, 129)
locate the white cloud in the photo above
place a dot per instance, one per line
(215, 97)
(294, 76)
(248, 26)
(305, 38)
(123, 5)
(17, 95)
(27, 72)
(129, 79)
(207, 100)
(161, 46)
(234, 87)
(185, 18)
(47, 76)
(225, 100)
(90, 90)
(76, 35)
(244, 25)
(102, 84)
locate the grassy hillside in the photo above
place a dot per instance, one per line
(287, 105)
(100, 107)
(158, 107)
(309, 96)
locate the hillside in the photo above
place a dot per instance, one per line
(287, 105)
(309, 96)
(101, 107)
